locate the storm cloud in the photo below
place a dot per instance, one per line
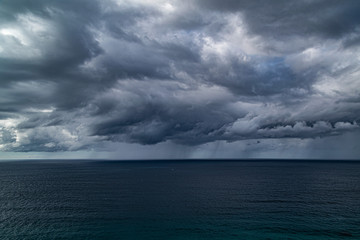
(86, 75)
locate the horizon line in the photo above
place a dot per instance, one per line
(183, 159)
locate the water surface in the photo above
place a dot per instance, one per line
(179, 200)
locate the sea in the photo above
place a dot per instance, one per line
(183, 199)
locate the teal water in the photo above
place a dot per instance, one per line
(179, 200)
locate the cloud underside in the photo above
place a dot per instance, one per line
(80, 74)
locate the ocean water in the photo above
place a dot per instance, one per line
(179, 200)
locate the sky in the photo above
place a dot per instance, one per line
(137, 79)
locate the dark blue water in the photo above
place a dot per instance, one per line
(179, 200)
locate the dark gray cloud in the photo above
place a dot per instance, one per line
(281, 18)
(80, 75)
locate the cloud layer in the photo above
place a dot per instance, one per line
(79, 75)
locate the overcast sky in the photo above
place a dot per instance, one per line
(127, 79)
